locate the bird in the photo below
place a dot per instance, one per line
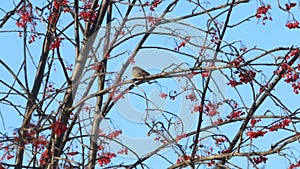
(138, 72)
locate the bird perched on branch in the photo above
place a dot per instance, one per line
(138, 72)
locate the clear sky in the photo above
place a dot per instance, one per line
(253, 33)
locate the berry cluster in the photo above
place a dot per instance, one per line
(220, 140)
(290, 74)
(152, 20)
(245, 77)
(55, 43)
(154, 4)
(59, 128)
(258, 160)
(183, 158)
(292, 166)
(288, 6)
(263, 13)
(27, 18)
(280, 125)
(88, 14)
(212, 109)
(256, 134)
(105, 158)
(218, 121)
(254, 121)
(235, 114)
(236, 62)
(191, 97)
(292, 24)
(214, 37)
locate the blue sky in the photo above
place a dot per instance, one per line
(253, 33)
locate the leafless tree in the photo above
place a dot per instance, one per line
(210, 99)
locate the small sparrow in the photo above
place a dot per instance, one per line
(138, 72)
